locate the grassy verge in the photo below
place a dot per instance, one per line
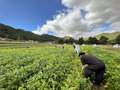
(110, 48)
(21, 45)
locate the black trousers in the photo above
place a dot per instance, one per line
(99, 70)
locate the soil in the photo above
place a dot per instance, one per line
(101, 87)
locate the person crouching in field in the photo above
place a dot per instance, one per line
(93, 64)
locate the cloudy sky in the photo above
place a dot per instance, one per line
(76, 18)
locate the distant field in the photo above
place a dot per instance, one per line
(11, 42)
(21, 45)
(7, 44)
(110, 48)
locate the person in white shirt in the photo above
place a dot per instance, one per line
(74, 45)
(77, 49)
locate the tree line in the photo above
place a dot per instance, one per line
(21, 35)
(91, 40)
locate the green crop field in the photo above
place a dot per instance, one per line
(111, 49)
(12, 45)
(51, 68)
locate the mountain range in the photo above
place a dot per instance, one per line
(19, 34)
(111, 36)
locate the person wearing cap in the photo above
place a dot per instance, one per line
(92, 64)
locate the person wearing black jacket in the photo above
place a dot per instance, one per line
(91, 65)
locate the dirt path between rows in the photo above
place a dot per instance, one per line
(101, 87)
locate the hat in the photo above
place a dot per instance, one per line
(81, 53)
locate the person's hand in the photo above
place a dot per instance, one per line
(85, 65)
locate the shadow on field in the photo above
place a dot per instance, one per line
(95, 87)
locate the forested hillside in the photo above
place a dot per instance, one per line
(20, 34)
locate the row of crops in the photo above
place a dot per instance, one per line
(53, 68)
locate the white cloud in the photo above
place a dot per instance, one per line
(114, 27)
(38, 31)
(75, 3)
(71, 22)
(103, 11)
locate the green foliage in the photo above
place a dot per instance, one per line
(19, 34)
(69, 40)
(111, 36)
(81, 41)
(118, 39)
(52, 68)
(41, 68)
(60, 41)
(111, 60)
(112, 42)
(47, 38)
(93, 40)
(103, 40)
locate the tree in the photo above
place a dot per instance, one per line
(20, 34)
(90, 40)
(81, 41)
(71, 40)
(93, 40)
(87, 42)
(60, 41)
(66, 41)
(117, 39)
(103, 40)
(2, 34)
(112, 42)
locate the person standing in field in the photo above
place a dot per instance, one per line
(24, 46)
(63, 46)
(77, 49)
(93, 64)
(74, 45)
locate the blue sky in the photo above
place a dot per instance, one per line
(27, 14)
(75, 18)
